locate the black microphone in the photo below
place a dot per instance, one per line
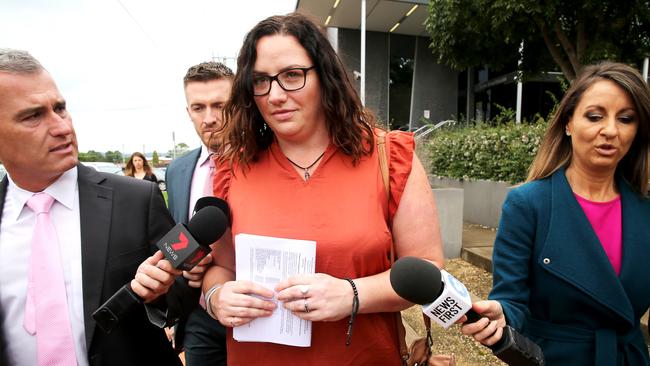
(212, 201)
(444, 299)
(183, 246)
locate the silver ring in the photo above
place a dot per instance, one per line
(306, 306)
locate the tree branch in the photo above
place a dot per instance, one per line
(568, 46)
(581, 38)
(565, 66)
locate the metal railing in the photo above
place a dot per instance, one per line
(425, 130)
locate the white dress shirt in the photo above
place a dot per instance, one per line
(199, 178)
(15, 250)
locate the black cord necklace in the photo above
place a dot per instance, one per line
(306, 169)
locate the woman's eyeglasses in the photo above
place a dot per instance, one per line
(289, 80)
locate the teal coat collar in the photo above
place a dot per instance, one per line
(595, 276)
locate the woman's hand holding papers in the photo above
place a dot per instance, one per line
(240, 302)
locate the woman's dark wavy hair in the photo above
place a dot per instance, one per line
(244, 133)
(555, 150)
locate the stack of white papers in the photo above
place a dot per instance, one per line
(266, 261)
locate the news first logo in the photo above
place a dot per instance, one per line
(451, 305)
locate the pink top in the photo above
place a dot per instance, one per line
(605, 218)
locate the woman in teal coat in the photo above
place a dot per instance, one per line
(572, 253)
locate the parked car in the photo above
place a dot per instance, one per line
(160, 174)
(105, 167)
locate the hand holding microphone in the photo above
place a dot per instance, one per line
(153, 278)
(489, 329)
(445, 300)
(195, 275)
(183, 247)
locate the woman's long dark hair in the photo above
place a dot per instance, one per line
(244, 132)
(129, 170)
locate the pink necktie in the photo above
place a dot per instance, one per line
(207, 191)
(207, 188)
(46, 309)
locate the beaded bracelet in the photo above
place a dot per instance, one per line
(355, 309)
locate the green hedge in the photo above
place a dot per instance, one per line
(501, 153)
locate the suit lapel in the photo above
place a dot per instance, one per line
(185, 174)
(636, 236)
(95, 209)
(575, 252)
(185, 178)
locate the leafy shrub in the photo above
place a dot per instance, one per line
(500, 153)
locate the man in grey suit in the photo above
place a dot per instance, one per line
(104, 229)
(207, 89)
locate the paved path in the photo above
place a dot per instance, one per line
(477, 250)
(477, 245)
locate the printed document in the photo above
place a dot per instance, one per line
(266, 261)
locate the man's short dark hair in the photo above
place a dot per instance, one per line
(206, 71)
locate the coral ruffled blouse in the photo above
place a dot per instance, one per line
(343, 207)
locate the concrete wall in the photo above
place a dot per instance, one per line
(435, 87)
(377, 64)
(449, 202)
(482, 199)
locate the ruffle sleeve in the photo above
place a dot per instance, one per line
(221, 180)
(400, 147)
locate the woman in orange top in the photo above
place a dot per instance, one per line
(302, 163)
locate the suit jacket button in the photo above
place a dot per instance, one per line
(546, 261)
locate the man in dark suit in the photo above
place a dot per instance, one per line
(105, 230)
(189, 177)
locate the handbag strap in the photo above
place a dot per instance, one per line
(401, 332)
(383, 161)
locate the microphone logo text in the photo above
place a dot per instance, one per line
(169, 250)
(447, 310)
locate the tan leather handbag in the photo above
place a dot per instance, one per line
(418, 353)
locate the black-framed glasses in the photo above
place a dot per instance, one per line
(289, 80)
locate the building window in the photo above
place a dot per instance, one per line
(402, 54)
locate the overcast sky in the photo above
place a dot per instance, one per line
(120, 63)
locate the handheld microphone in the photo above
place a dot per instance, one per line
(212, 201)
(444, 299)
(183, 246)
